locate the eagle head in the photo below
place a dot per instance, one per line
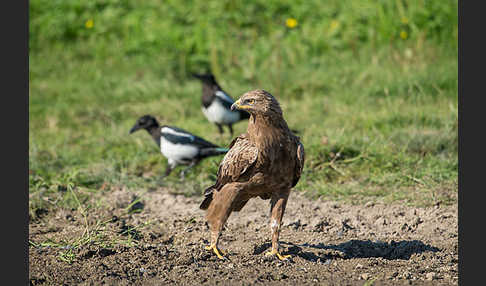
(258, 102)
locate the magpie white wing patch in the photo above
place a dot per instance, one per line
(224, 96)
(168, 130)
(180, 136)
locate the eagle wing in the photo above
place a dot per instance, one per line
(239, 160)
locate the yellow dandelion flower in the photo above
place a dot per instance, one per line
(404, 20)
(403, 35)
(89, 24)
(291, 23)
(334, 25)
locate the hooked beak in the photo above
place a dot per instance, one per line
(235, 105)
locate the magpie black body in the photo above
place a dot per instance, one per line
(179, 146)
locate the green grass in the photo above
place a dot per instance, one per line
(377, 113)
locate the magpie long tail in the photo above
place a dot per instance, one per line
(207, 152)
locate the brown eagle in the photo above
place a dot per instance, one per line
(264, 162)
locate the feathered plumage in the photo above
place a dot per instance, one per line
(216, 104)
(179, 146)
(266, 161)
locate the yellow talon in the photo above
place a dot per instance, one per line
(216, 251)
(280, 256)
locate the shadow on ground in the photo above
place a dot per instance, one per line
(355, 249)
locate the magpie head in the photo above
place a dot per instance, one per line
(207, 78)
(145, 122)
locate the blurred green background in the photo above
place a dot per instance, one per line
(370, 85)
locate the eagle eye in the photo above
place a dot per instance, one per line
(250, 101)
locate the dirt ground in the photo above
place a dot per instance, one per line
(331, 243)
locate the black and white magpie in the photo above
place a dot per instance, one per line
(216, 104)
(177, 145)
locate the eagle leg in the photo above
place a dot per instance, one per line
(277, 209)
(221, 254)
(276, 253)
(218, 212)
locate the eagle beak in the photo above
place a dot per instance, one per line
(235, 105)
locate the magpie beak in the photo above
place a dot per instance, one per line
(134, 128)
(196, 75)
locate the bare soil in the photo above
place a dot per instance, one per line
(331, 243)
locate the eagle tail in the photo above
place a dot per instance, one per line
(213, 151)
(208, 198)
(207, 201)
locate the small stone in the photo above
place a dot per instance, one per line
(417, 221)
(405, 227)
(294, 224)
(381, 221)
(406, 275)
(369, 204)
(393, 275)
(365, 276)
(430, 276)
(314, 222)
(359, 266)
